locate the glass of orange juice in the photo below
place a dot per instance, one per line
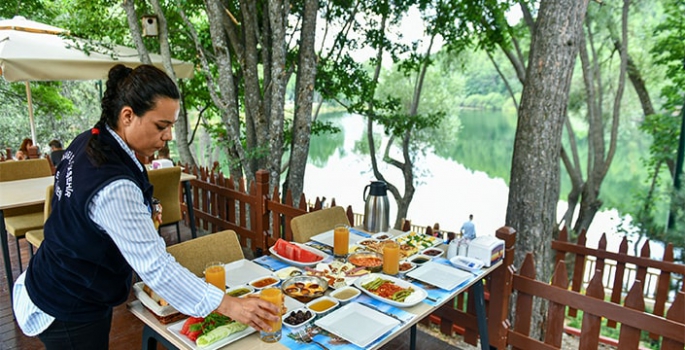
(391, 258)
(216, 274)
(341, 241)
(276, 297)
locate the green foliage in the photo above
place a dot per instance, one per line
(669, 51)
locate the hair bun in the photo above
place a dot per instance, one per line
(119, 72)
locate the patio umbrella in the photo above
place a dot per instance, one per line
(33, 51)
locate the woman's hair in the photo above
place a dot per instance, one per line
(137, 88)
(25, 145)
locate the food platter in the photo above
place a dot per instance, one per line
(417, 296)
(336, 273)
(323, 255)
(175, 329)
(418, 241)
(150, 303)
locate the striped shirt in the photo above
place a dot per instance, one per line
(119, 210)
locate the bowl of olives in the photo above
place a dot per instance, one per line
(298, 318)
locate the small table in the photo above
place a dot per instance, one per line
(17, 194)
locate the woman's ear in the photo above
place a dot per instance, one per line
(126, 116)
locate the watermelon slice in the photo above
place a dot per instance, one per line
(294, 252)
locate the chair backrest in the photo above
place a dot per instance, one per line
(20, 170)
(166, 182)
(222, 246)
(310, 224)
(47, 208)
(24, 169)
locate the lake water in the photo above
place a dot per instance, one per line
(448, 190)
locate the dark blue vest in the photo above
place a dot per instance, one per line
(78, 274)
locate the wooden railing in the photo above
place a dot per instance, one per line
(257, 216)
(506, 288)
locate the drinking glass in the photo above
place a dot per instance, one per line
(216, 274)
(276, 297)
(391, 258)
(341, 241)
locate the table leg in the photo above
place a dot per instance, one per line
(150, 339)
(479, 298)
(6, 254)
(412, 337)
(191, 210)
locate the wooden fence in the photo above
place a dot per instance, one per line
(257, 216)
(506, 288)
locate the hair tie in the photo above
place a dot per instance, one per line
(95, 131)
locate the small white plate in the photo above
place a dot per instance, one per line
(273, 283)
(249, 289)
(382, 236)
(357, 324)
(465, 263)
(433, 252)
(414, 298)
(439, 275)
(323, 255)
(287, 272)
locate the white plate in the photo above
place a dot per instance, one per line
(439, 275)
(275, 281)
(357, 324)
(327, 238)
(243, 271)
(152, 305)
(414, 298)
(175, 329)
(424, 241)
(323, 255)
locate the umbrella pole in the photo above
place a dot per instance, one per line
(33, 126)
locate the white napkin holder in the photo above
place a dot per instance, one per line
(488, 249)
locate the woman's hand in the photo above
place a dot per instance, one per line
(253, 312)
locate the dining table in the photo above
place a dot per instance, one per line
(156, 332)
(18, 194)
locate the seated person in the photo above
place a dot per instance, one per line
(24, 148)
(20, 155)
(56, 152)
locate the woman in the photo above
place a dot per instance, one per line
(100, 227)
(24, 147)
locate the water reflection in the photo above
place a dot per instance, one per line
(466, 173)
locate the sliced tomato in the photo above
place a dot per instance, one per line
(190, 321)
(193, 335)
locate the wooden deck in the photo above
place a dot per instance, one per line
(127, 329)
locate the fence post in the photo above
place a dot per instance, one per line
(500, 290)
(262, 217)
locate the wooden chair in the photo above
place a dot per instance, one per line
(35, 237)
(167, 182)
(18, 221)
(307, 225)
(222, 246)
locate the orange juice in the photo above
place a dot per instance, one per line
(276, 297)
(341, 241)
(391, 258)
(216, 275)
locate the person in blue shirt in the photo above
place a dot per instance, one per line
(468, 229)
(100, 229)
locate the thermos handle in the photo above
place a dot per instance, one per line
(364, 195)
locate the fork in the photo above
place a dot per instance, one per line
(305, 337)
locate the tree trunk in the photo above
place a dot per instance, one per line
(304, 97)
(534, 188)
